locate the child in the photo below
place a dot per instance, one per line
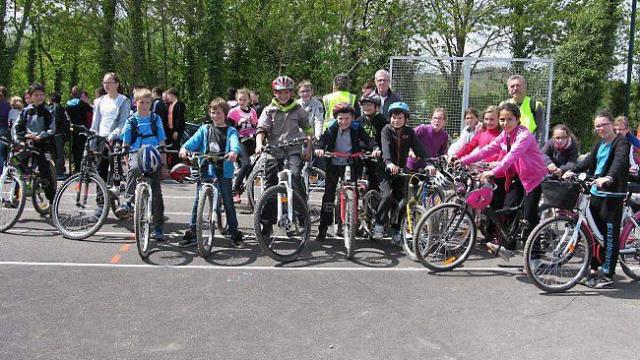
(215, 138)
(143, 129)
(346, 137)
(432, 137)
(36, 124)
(471, 116)
(372, 121)
(245, 120)
(397, 140)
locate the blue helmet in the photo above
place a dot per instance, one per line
(149, 159)
(398, 107)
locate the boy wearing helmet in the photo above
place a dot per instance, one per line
(283, 120)
(373, 122)
(343, 136)
(144, 129)
(397, 139)
(216, 138)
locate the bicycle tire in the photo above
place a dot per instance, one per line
(204, 222)
(371, 201)
(301, 210)
(349, 225)
(316, 186)
(40, 202)
(630, 263)
(17, 185)
(428, 251)
(221, 218)
(416, 213)
(434, 197)
(142, 220)
(58, 218)
(257, 174)
(542, 238)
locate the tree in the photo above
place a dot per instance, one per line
(106, 36)
(9, 50)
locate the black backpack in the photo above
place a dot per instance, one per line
(134, 128)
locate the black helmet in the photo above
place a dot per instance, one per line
(373, 98)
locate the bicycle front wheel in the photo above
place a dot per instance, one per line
(444, 237)
(13, 199)
(282, 237)
(77, 214)
(350, 222)
(142, 220)
(205, 224)
(557, 254)
(408, 228)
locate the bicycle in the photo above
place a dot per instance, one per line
(292, 213)
(445, 234)
(73, 212)
(13, 183)
(348, 200)
(558, 252)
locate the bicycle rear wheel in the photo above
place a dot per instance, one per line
(630, 251)
(205, 225)
(76, 211)
(349, 225)
(408, 228)
(555, 256)
(281, 239)
(315, 191)
(254, 185)
(13, 198)
(142, 220)
(370, 204)
(444, 237)
(38, 193)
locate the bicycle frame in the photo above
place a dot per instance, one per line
(347, 184)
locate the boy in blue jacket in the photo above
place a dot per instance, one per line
(214, 138)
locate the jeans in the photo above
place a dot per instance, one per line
(224, 189)
(157, 202)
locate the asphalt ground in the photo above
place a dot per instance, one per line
(96, 299)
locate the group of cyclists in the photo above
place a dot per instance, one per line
(502, 137)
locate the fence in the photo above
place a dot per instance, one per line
(457, 83)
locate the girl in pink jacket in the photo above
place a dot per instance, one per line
(523, 156)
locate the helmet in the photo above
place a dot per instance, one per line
(373, 98)
(179, 172)
(282, 83)
(149, 159)
(343, 108)
(398, 107)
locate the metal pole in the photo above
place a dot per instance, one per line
(632, 32)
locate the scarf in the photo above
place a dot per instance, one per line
(290, 105)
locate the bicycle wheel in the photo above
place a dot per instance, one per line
(76, 211)
(315, 191)
(221, 218)
(38, 188)
(630, 251)
(555, 257)
(408, 229)
(142, 219)
(281, 239)
(349, 224)
(255, 185)
(370, 202)
(13, 198)
(433, 197)
(444, 237)
(205, 224)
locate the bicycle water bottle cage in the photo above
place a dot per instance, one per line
(481, 198)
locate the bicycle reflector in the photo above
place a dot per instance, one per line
(179, 172)
(481, 198)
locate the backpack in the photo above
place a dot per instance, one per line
(135, 134)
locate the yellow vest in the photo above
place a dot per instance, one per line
(526, 115)
(331, 100)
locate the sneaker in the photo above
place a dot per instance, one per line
(378, 232)
(97, 214)
(396, 238)
(600, 282)
(504, 254)
(158, 233)
(236, 240)
(237, 199)
(189, 238)
(322, 234)
(267, 230)
(124, 210)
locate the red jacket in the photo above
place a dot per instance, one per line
(481, 139)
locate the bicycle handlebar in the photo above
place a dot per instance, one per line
(287, 143)
(24, 146)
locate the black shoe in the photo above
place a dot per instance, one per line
(188, 242)
(236, 240)
(267, 230)
(322, 234)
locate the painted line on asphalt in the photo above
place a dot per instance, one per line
(238, 214)
(263, 268)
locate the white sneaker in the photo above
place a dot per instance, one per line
(505, 254)
(378, 232)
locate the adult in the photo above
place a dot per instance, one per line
(175, 123)
(311, 105)
(531, 110)
(561, 149)
(78, 113)
(382, 79)
(608, 163)
(340, 95)
(61, 135)
(5, 107)
(158, 106)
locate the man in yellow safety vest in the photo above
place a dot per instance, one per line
(531, 111)
(340, 95)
